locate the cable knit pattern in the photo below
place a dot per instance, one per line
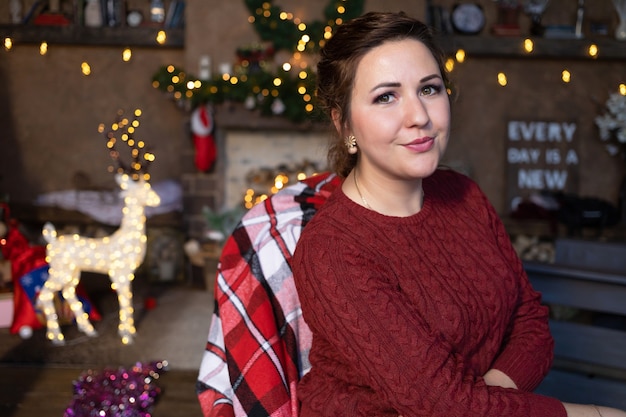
(408, 313)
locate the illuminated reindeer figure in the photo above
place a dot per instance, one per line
(117, 255)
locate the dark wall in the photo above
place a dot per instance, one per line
(50, 111)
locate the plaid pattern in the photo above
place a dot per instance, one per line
(258, 343)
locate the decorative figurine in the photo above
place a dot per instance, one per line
(535, 9)
(117, 255)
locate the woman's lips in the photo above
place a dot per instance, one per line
(421, 145)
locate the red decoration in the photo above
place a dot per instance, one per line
(28, 259)
(203, 140)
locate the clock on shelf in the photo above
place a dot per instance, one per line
(467, 18)
(134, 18)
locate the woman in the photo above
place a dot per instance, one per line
(416, 299)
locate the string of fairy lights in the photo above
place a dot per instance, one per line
(265, 85)
(123, 130)
(84, 67)
(592, 51)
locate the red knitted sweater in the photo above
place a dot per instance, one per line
(408, 313)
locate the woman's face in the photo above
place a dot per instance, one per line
(400, 112)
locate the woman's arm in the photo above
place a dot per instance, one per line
(529, 341)
(496, 377)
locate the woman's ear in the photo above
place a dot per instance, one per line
(336, 116)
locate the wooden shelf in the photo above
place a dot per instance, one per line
(482, 46)
(144, 36)
(234, 116)
(513, 47)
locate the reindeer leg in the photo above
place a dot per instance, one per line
(46, 302)
(82, 318)
(126, 328)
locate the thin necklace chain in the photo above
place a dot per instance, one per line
(365, 203)
(358, 190)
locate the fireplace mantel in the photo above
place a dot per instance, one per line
(234, 116)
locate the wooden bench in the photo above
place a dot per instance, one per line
(590, 353)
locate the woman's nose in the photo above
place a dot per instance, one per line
(416, 112)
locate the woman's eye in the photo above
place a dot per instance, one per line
(431, 90)
(384, 98)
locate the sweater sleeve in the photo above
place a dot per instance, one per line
(382, 339)
(528, 341)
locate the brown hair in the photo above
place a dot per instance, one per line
(339, 60)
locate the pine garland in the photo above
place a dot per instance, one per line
(272, 91)
(279, 27)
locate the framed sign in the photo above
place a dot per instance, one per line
(541, 156)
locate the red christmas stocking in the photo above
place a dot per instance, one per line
(204, 143)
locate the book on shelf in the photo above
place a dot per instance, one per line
(175, 16)
(79, 12)
(35, 9)
(113, 13)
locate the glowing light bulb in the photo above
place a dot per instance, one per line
(43, 48)
(593, 50)
(460, 55)
(8, 43)
(622, 89)
(161, 37)
(449, 65)
(126, 54)
(85, 68)
(502, 80)
(529, 45)
(566, 76)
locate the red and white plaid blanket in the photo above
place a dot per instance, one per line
(258, 343)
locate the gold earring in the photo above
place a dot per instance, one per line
(351, 143)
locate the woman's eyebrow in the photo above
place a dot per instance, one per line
(430, 77)
(385, 85)
(397, 84)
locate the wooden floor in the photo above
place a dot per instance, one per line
(33, 391)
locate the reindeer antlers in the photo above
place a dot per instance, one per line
(122, 129)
